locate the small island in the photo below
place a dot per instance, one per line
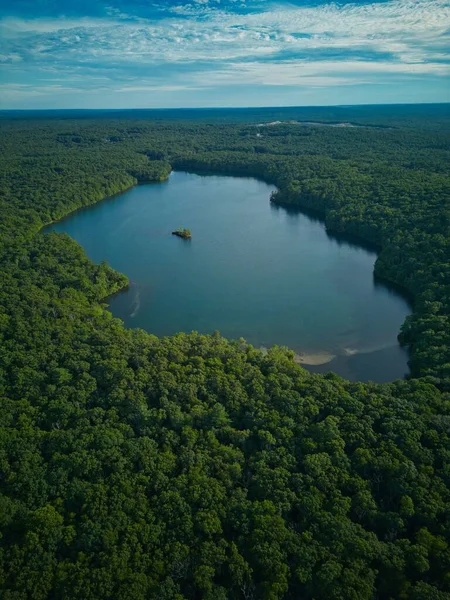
(183, 233)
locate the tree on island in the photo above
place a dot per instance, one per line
(183, 233)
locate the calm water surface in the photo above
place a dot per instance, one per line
(251, 270)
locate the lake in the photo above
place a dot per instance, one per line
(251, 270)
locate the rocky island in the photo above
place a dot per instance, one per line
(183, 233)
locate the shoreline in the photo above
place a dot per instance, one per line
(303, 358)
(315, 359)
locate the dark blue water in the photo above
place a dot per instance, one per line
(251, 270)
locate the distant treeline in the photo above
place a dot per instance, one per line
(427, 116)
(191, 467)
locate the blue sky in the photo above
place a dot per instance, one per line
(150, 53)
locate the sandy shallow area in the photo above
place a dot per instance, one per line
(321, 358)
(352, 351)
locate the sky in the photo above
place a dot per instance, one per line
(221, 53)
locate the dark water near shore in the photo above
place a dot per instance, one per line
(252, 270)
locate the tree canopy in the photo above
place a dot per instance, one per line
(192, 467)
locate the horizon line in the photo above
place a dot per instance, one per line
(160, 108)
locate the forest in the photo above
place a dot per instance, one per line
(192, 467)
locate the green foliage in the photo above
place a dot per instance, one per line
(133, 467)
(183, 233)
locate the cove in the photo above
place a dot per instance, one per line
(252, 269)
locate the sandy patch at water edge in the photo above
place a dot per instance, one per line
(320, 358)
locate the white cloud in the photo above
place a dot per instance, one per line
(153, 88)
(11, 91)
(14, 26)
(283, 45)
(404, 27)
(331, 73)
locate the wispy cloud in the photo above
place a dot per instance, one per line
(206, 43)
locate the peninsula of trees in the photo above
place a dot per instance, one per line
(191, 467)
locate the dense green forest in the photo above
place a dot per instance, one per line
(192, 467)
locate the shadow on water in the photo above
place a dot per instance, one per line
(394, 289)
(353, 241)
(294, 212)
(345, 239)
(360, 367)
(316, 216)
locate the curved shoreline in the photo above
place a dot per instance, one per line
(319, 358)
(310, 359)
